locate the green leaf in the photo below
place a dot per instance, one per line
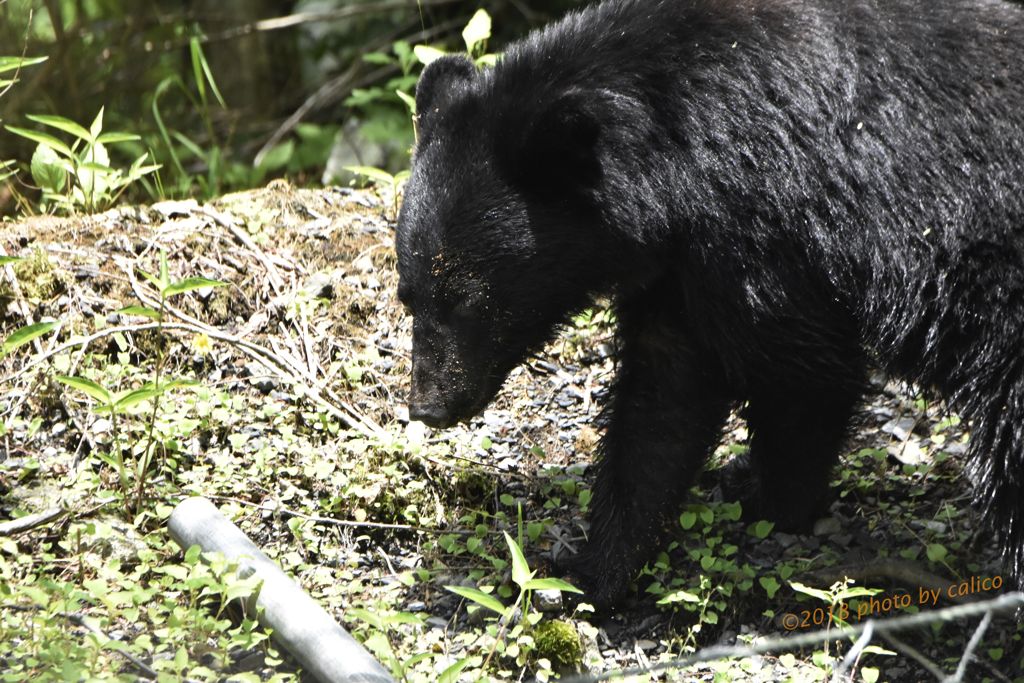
(140, 310)
(25, 335)
(43, 139)
(134, 397)
(372, 173)
(770, 585)
(478, 597)
(154, 280)
(278, 156)
(96, 167)
(378, 58)
(189, 284)
(7, 168)
(48, 170)
(367, 616)
(164, 278)
(678, 596)
(403, 618)
(13, 63)
(520, 569)
(687, 520)
(477, 31)
(936, 552)
(97, 126)
(173, 384)
(451, 674)
(61, 123)
(89, 387)
(4, 260)
(413, 661)
(95, 174)
(409, 100)
(550, 584)
(37, 595)
(199, 58)
(427, 54)
(813, 592)
(240, 591)
(110, 138)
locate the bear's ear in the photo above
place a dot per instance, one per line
(440, 81)
(560, 148)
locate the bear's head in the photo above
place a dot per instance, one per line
(498, 238)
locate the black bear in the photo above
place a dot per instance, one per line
(777, 193)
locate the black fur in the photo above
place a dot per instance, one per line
(777, 193)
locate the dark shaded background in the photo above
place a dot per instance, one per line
(115, 53)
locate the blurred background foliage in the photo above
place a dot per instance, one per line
(306, 87)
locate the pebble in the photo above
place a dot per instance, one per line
(437, 622)
(547, 600)
(827, 526)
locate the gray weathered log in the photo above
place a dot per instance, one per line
(16, 526)
(315, 639)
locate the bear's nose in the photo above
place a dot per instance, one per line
(431, 414)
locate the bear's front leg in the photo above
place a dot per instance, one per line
(797, 432)
(668, 405)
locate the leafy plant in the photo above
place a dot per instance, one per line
(121, 403)
(406, 59)
(211, 157)
(836, 598)
(38, 610)
(522, 577)
(79, 175)
(475, 35)
(12, 64)
(705, 593)
(379, 176)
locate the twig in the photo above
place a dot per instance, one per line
(329, 15)
(854, 654)
(887, 568)
(225, 221)
(302, 324)
(909, 651)
(969, 652)
(16, 526)
(1004, 604)
(24, 51)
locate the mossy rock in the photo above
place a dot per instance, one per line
(559, 643)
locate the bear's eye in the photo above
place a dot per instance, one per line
(469, 306)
